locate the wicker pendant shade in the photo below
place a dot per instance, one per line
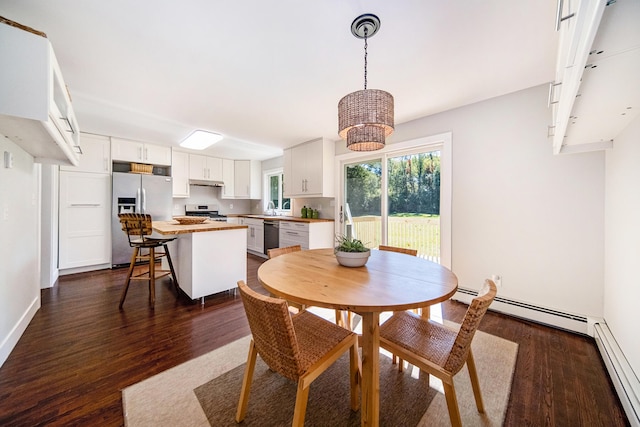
(365, 117)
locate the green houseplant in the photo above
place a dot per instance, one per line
(351, 252)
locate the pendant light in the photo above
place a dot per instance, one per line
(365, 117)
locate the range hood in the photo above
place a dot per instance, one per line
(206, 183)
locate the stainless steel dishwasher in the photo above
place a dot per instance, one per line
(271, 235)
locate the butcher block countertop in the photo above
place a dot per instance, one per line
(174, 227)
(281, 218)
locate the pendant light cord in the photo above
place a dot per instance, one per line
(365, 58)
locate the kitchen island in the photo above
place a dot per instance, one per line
(211, 257)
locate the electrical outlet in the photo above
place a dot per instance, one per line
(230, 205)
(497, 279)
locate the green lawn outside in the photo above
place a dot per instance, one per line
(407, 230)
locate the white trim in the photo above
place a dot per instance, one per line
(622, 376)
(18, 329)
(265, 189)
(444, 142)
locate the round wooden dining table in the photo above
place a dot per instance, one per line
(389, 281)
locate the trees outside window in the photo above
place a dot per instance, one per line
(274, 182)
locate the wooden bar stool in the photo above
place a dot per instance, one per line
(138, 228)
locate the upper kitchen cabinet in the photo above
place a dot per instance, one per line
(95, 157)
(139, 152)
(35, 111)
(228, 179)
(204, 168)
(247, 179)
(308, 169)
(180, 173)
(596, 93)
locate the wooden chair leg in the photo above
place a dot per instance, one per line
(246, 383)
(452, 403)
(132, 264)
(354, 374)
(302, 396)
(152, 277)
(475, 384)
(173, 272)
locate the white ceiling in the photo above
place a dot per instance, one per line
(269, 74)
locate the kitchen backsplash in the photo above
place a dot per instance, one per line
(202, 195)
(322, 204)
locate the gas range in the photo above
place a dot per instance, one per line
(210, 211)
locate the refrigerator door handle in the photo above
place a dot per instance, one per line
(144, 201)
(138, 201)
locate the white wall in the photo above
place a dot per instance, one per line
(519, 211)
(622, 243)
(20, 250)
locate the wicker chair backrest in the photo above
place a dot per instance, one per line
(136, 225)
(472, 318)
(272, 253)
(273, 333)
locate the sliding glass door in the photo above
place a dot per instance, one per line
(396, 205)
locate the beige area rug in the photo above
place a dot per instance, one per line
(183, 395)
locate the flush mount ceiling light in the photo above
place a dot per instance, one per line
(365, 117)
(200, 139)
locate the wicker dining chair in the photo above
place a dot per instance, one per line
(138, 228)
(412, 252)
(298, 347)
(437, 350)
(272, 253)
(425, 311)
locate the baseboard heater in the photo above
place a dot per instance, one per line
(546, 316)
(622, 376)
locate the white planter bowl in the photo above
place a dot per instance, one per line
(352, 259)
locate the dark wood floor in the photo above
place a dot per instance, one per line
(80, 351)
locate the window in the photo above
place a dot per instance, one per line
(273, 181)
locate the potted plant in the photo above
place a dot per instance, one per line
(351, 252)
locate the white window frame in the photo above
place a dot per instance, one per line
(266, 190)
(442, 142)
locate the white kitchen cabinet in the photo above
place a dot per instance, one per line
(36, 111)
(308, 169)
(140, 152)
(205, 168)
(95, 157)
(598, 57)
(309, 235)
(247, 179)
(84, 219)
(180, 173)
(255, 234)
(228, 178)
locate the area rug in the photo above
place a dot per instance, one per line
(205, 390)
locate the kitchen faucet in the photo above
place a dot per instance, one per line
(271, 208)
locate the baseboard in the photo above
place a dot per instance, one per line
(622, 376)
(546, 316)
(18, 329)
(74, 270)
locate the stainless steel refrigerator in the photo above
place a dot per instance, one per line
(148, 194)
